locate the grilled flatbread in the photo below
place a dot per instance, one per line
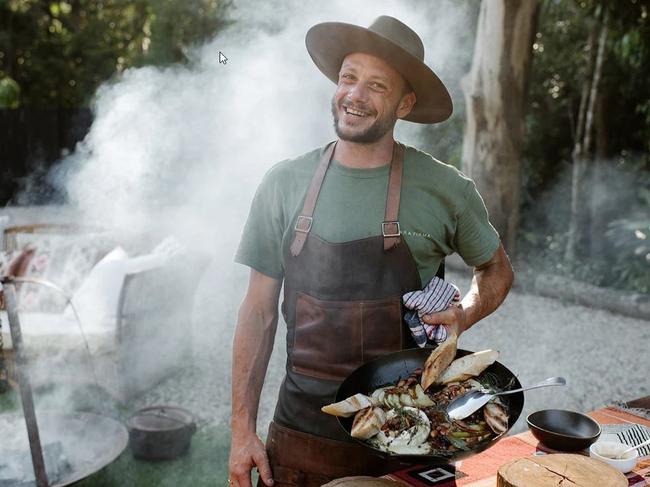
(468, 366)
(438, 361)
(368, 422)
(348, 406)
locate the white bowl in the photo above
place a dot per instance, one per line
(605, 450)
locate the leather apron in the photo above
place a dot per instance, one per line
(342, 305)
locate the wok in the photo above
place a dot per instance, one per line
(390, 368)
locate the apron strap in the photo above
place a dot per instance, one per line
(390, 229)
(390, 226)
(305, 219)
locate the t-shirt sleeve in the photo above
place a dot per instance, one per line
(260, 246)
(476, 240)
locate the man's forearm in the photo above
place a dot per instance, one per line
(490, 286)
(252, 347)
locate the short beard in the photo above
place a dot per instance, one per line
(372, 134)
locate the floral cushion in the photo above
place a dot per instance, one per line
(63, 260)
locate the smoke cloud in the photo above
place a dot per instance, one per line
(180, 150)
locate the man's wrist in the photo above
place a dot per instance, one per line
(243, 425)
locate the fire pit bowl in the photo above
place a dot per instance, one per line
(76, 445)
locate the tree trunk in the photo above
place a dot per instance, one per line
(598, 204)
(495, 92)
(582, 149)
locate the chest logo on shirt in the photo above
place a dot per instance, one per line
(418, 234)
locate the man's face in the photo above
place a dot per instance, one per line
(370, 97)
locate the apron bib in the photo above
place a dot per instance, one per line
(342, 305)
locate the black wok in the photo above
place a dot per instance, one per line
(390, 368)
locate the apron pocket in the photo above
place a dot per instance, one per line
(333, 338)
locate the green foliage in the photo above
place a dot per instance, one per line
(59, 52)
(621, 177)
(9, 93)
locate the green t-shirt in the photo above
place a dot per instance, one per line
(440, 211)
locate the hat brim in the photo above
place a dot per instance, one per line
(328, 44)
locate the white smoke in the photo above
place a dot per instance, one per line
(180, 150)
(196, 139)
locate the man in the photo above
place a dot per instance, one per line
(350, 228)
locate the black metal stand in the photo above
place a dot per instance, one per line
(24, 385)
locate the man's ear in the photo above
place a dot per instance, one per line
(406, 104)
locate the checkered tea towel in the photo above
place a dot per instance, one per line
(436, 296)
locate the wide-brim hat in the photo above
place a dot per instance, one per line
(394, 42)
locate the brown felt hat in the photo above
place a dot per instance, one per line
(394, 42)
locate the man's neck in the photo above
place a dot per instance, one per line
(365, 156)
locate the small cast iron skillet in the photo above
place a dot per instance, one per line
(563, 430)
(390, 368)
(160, 432)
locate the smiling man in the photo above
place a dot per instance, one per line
(348, 229)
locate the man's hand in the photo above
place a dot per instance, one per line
(453, 318)
(254, 335)
(490, 286)
(247, 451)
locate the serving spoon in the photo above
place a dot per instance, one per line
(468, 403)
(620, 455)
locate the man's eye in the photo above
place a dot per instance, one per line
(378, 86)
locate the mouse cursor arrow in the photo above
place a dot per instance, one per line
(222, 58)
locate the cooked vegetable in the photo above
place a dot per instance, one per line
(468, 366)
(368, 422)
(349, 406)
(496, 417)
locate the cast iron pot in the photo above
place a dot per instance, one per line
(390, 368)
(160, 432)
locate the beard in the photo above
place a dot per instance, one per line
(368, 135)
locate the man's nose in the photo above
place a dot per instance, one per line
(358, 93)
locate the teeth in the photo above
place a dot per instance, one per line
(355, 112)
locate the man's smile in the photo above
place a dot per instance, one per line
(355, 111)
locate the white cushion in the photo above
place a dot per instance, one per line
(96, 301)
(55, 331)
(97, 298)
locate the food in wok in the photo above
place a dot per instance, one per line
(409, 417)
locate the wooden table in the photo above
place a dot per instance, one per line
(480, 470)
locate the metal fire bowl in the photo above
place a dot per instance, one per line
(89, 441)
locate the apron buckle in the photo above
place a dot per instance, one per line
(303, 224)
(390, 229)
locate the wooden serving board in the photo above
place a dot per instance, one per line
(559, 469)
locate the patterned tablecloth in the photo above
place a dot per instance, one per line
(480, 470)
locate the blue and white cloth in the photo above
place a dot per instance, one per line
(437, 296)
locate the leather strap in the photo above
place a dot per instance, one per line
(390, 228)
(304, 221)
